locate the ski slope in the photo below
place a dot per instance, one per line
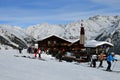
(20, 68)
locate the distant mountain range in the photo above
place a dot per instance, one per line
(14, 36)
(103, 28)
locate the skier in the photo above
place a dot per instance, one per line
(20, 50)
(93, 60)
(101, 58)
(59, 55)
(35, 52)
(29, 50)
(63, 51)
(110, 58)
(39, 52)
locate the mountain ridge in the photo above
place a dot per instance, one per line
(103, 28)
(92, 25)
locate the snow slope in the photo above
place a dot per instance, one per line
(19, 68)
(15, 36)
(42, 30)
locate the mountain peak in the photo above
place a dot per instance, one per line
(96, 27)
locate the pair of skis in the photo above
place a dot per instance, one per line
(24, 56)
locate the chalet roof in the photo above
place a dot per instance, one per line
(94, 43)
(53, 36)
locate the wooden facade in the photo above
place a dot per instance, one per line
(54, 42)
(76, 46)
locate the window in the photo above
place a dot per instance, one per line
(54, 42)
(48, 42)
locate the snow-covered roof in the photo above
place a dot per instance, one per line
(51, 36)
(94, 43)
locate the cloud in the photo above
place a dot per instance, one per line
(51, 11)
(112, 3)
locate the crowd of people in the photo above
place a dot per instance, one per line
(38, 51)
(59, 53)
(109, 59)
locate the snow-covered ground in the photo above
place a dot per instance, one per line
(19, 68)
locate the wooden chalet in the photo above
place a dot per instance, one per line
(97, 46)
(53, 43)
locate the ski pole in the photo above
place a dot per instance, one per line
(114, 65)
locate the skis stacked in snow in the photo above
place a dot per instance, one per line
(30, 57)
(37, 58)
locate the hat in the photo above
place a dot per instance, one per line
(112, 53)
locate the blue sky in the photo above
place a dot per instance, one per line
(24, 13)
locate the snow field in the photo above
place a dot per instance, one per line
(20, 68)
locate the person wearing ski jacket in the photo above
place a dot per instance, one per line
(101, 58)
(35, 52)
(110, 58)
(93, 60)
(39, 52)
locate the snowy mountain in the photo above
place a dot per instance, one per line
(94, 26)
(103, 28)
(42, 30)
(14, 36)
